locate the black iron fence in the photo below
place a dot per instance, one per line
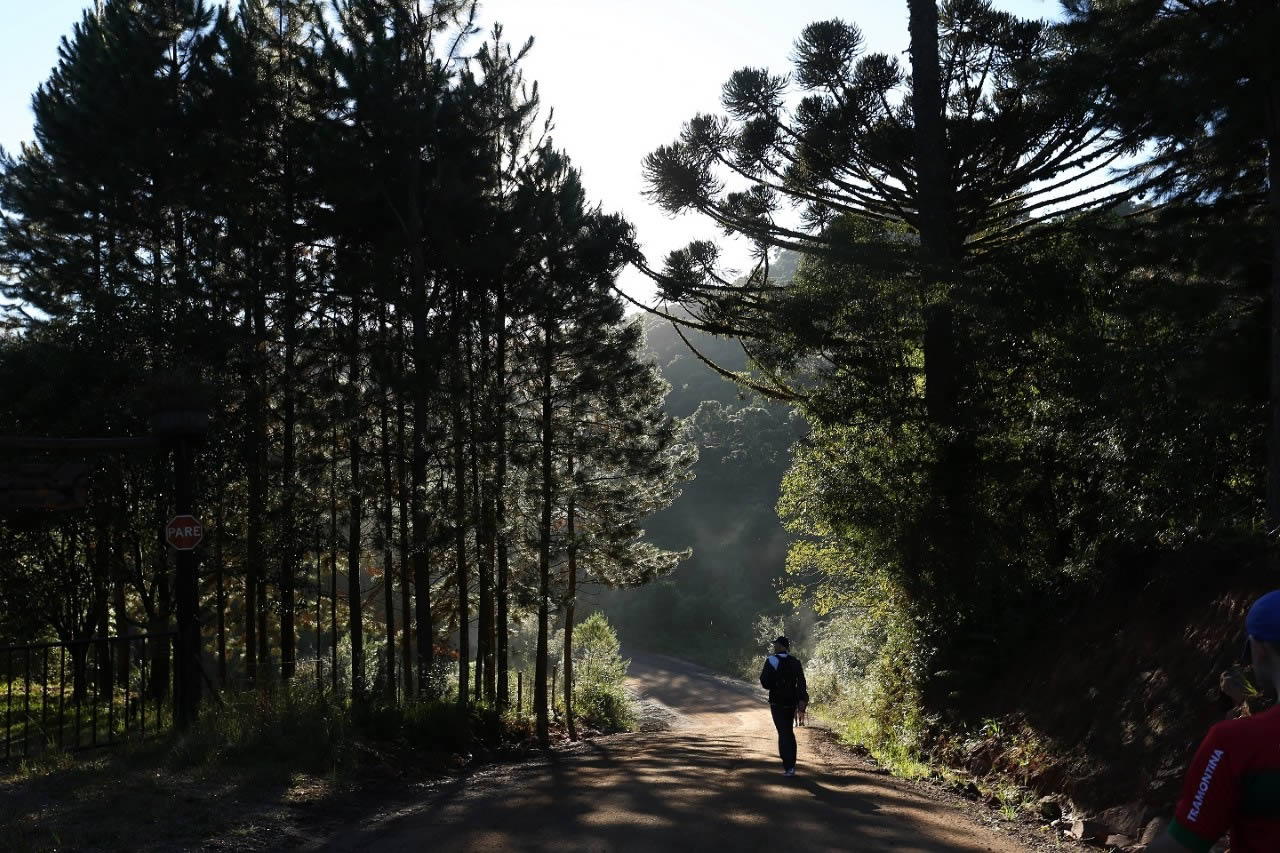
(86, 693)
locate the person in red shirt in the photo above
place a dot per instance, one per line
(1233, 784)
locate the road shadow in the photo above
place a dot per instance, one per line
(695, 791)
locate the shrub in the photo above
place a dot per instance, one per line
(864, 672)
(599, 672)
(289, 726)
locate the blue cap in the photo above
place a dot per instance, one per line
(1263, 620)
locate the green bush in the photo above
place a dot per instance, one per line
(599, 672)
(291, 726)
(863, 675)
(299, 729)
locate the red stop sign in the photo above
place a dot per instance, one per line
(183, 532)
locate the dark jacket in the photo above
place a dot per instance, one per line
(780, 690)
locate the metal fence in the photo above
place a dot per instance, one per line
(86, 693)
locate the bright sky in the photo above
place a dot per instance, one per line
(622, 75)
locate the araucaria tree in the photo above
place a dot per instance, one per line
(916, 199)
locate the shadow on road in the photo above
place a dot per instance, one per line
(713, 785)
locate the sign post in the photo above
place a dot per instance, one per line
(180, 427)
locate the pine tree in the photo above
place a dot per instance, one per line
(622, 460)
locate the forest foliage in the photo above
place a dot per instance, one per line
(346, 229)
(1013, 334)
(1031, 329)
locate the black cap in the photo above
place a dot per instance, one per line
(782, 641)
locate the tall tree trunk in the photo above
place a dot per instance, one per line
(500, 500)
(119, 603)
(460, 518)
(101, 618)
(333, 559)
(402, 494)
(290, 545)
(388, 537)
(259, 418)
(356, 504)
(255, 464)
(943, 563)
(570, 603)
(542, 723)
(483, 658)
(488, 560)
(933, 200)
(485, 531)
(219, 567)
(422, 371)
(158, 617)
(1273, 199)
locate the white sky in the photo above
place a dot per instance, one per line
(621, 75)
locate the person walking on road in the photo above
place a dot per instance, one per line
(783, 677)
(1233, 783)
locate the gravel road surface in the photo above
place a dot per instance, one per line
(710, 782)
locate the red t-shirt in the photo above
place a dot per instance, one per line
(1234, 784)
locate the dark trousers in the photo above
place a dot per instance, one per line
(783, 718)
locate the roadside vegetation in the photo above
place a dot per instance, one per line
(285, 760)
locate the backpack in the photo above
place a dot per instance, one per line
(785, 688)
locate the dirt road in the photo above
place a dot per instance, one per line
(711, 783)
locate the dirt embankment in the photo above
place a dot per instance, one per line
(1106, 702)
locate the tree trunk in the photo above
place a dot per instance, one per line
(460, 522)
(333, 559)
(79, 674)
(484, 658)
(943, 564)
(119, 603)
(101, 619)
(219, 518)
(500, 501)
(356, 504)
(1273, 200)
(488, 561)
(163, 604)
(422, 369)
(486, 651)
(388, 528)
(569, 607)
(402, 494)
(288, 523)
(933, 202)
(541, 719)
(289, 540)
(254, 464)
(259, 419)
